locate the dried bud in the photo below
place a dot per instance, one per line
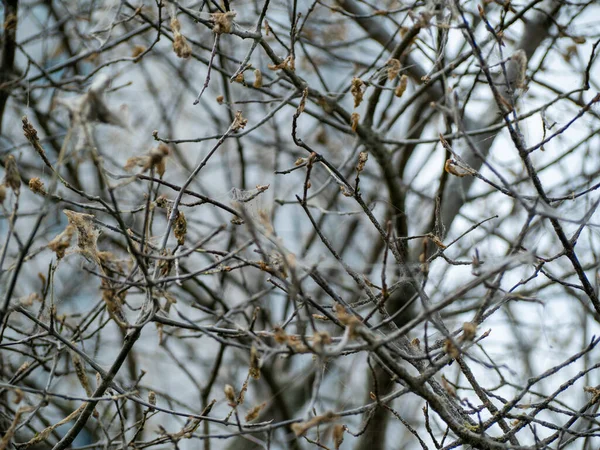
(152, 399)
(239, 78)
(229, 394)
(220, 99)
(345, 191)
(362, 160)
(12, 179)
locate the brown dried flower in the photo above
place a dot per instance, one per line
(354, 119)
(254, 412)
(230, 394)
(154, 159)
(137, 51)
(287, 64)
(62, 242)
(356, 91)
(239, 121)
(180, 45)
(469, 330)
(393, 68)
(362, 160)
(180, 227)
(258, 79)
(254, 363)
(401, 86)
(223, 22)
(37, 186)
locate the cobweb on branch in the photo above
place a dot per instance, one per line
(251, 201)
